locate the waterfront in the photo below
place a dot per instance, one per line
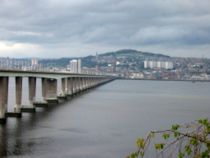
(106, 121)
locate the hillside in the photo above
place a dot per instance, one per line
(125, 57)
(131, 52)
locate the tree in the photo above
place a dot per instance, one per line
(189, 140)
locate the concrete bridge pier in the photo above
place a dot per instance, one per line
(80, 84)
(91, 82)
(99, 81)
(63, 94)
(77, 83)
(18, 98)
(18, 95)
(32, 93)
(74, 85)
(83, 84)
(3, 99)
(94, 82)
(44, 86)
(64, 86)
(69, 86)
(51, 91)
(88, 83)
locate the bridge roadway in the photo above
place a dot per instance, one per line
(71, 84)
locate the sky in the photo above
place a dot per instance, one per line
(75, 28)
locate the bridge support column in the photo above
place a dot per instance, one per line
(91, 82)
(79, 84)
(44, 87)
(74, 85)
(88, 82)
(69, 86)
(94, 82)
(32, 94)
(3, 98)
(18, 94)
(63, 86)
(51, 91)
(82, 84)
(63, 95)
(85, 83)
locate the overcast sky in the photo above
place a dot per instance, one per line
(66, 28)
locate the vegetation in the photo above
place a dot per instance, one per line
(191, 140)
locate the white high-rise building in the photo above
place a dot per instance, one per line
(158, 64)
(79, 69)
(75, 66)
(145, 64)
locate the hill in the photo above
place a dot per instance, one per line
(125, 57)
(131, 52)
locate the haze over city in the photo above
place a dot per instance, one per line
(60, 28)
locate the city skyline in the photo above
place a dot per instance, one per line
(79, 28)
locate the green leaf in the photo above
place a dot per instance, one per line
(188, 150)
(134, 155)
(205, 154)
(166, 135)
(176, 134)
(204, 122)
(140, 143)
(193, 141)
(159, 146)
(181, 155)
(175, 127)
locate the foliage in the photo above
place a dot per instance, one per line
(190, 140)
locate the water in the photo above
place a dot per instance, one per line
(105, 122)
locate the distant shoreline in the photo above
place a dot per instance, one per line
(165, 80)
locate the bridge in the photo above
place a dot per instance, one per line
(71, 84)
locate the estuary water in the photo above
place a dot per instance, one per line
(104, 122)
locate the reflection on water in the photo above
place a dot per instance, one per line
(3, 141)
(104, 122)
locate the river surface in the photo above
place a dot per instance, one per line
(104, 122)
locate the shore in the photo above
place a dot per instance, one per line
(164, 80)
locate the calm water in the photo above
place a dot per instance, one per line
(105, 122)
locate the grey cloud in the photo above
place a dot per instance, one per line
(106, 23)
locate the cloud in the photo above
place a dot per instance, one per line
(87, 26)
(22, 49)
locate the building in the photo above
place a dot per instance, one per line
(34, 62)
(75, 66)
(158, 64)
(136, 75)
(169, 65)
(12, 63)
(79, 69)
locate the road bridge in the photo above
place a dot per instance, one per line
(71, 84)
